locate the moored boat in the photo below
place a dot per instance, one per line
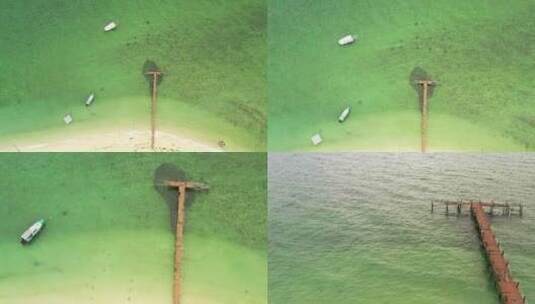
(347, 40)
(28, 235)
(67, 119)
(90, 100)
(345, 113)
(110, 26)
(316, 139)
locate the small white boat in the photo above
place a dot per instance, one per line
(347, 40)
(110, 26)
(90, 100)
(344, 114)
(316, 139)
(67, 119)
(31, 232)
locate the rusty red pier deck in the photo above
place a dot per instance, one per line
(507, 287)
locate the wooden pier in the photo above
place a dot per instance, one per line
(491, 208)
(182, 187)
(507, 287)
(155, 75)
(424, 111)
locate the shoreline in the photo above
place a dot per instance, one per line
(396, 132)
(180, 127)
(120, 140)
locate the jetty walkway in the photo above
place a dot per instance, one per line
(507, 287)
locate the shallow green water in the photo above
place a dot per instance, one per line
(53, 53)
(357, 228)
(108, 236)
(481, 52)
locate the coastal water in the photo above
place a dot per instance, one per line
(357, 228)
(108, 239)
(54, 53)
(480, 52)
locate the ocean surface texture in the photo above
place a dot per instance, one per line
(357, 228)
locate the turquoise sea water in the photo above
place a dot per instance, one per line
(480, 52)
(357, 228)
(108, 239)
(54, 53)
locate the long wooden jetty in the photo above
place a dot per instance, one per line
(507, 287)
(182, 187)
(155, 75)
(425, 84)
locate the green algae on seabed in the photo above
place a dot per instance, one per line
(213, 55)
(108, 237)
(480, 52)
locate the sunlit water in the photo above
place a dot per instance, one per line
(476, 50)
(107, 237)
(54, 53)
(357, 228)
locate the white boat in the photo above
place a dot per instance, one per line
(347, 40)
(67, 119)
(90, 99)
(344, 114)
(31, 232)
(110, 26)
(316, 139)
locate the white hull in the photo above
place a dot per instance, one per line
(110, 26)
(346, 40)
(343, 116)
(316, 139)
(67, 119)
(90, 99)
(31, 232)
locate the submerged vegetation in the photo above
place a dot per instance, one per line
(419, 74)
(148, 67)
(169, 172)
(106, 211)
(478, 51)
(213, 57)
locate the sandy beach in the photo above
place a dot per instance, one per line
(122, 140)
